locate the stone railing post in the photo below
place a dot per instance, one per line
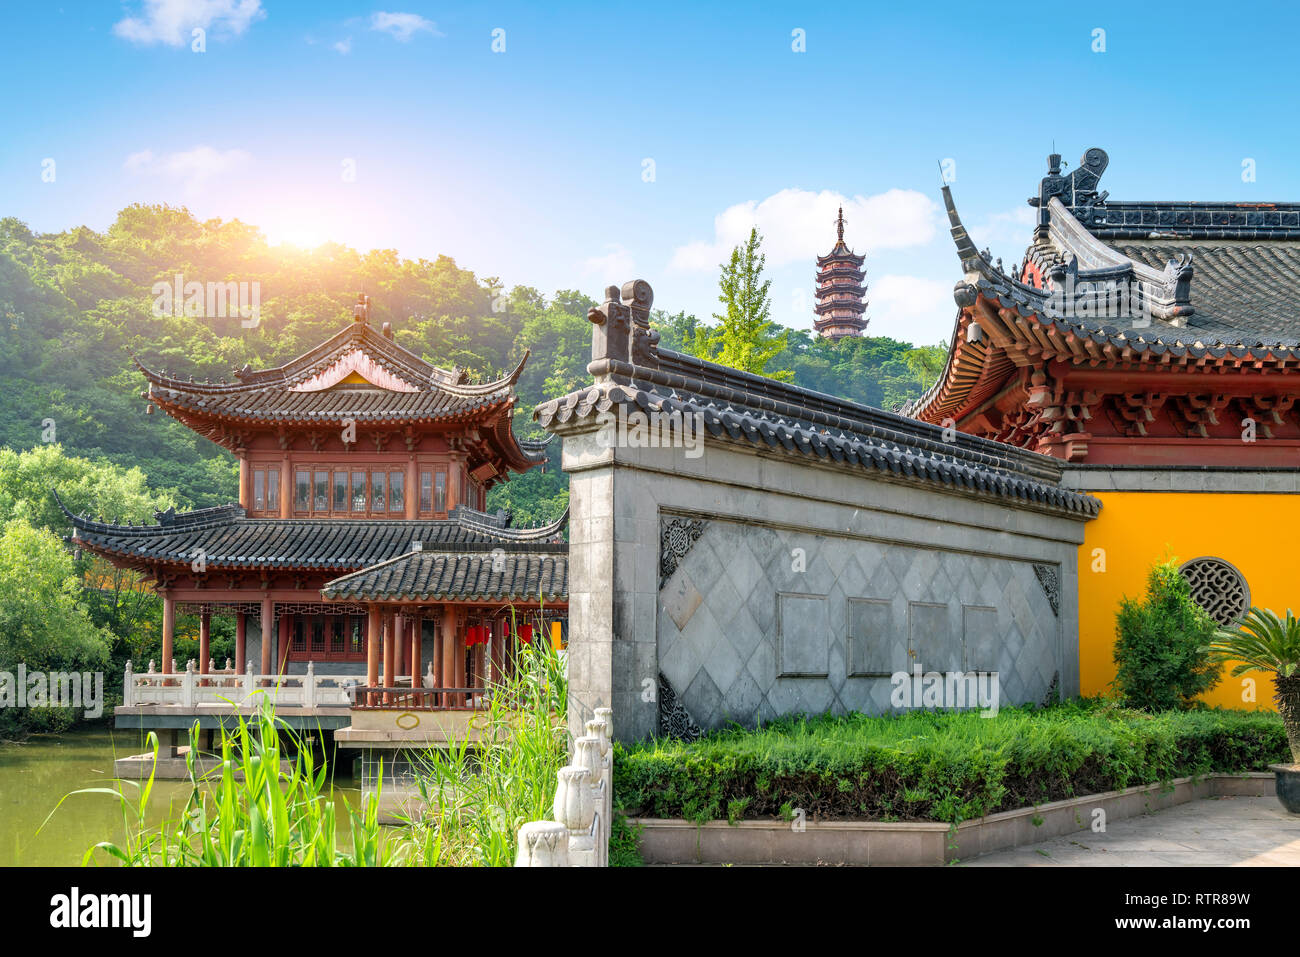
(575, 808)
(586, 753)
(250, 679)
(187, 686)
(543, 844)
(596, 728)
(309, 686)
(128, 685)
(583, 806)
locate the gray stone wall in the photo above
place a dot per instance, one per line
(762, 621)
(891, 572)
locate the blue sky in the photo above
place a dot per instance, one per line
(531, 164)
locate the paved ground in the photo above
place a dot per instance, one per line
(1211, 832)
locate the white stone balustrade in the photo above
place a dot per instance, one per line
(579, 835)
(189, 690)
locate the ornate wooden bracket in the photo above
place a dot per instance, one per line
(1195, 413)
(1133, 410)
(1267, 411)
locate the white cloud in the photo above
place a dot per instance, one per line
(191, 168)
(172, 21)
(798, 224)
(402, 26)
(920, 311)
(615, 267)
(344, 46)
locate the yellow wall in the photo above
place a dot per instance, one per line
(1137, 529)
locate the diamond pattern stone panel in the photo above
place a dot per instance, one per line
(757, 621)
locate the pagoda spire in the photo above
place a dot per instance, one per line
(840, 290)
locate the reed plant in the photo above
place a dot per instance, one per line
(250, 811)
(474, 795)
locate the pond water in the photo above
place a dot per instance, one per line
(37, 773)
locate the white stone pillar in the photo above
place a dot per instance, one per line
(543, 844)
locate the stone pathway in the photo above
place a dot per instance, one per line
(1210, 832)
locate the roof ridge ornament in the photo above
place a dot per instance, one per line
(1078, 189)
(620, 327)
(361, 310)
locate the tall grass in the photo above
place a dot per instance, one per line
(250, 812)
(477, 794)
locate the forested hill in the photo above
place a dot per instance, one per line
(74, 307)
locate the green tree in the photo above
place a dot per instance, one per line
(97, 488)
(43, 624)
(1161, 644)
(926, 363)
(744, 338)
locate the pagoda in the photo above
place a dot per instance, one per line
(841, 290)
(360, 544)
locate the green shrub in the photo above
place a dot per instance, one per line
(624, 843)
(938, 766)
(1160, 644)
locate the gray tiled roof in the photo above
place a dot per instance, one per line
(739, 407)
(542, 572)
(1242, 259)
(1242, 290)
(228, 539)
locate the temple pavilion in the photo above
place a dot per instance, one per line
(360, 544)
(1155, 347)
(840, 290)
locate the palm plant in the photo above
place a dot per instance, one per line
(1263, 642)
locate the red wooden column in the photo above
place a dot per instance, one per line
(286, 489)
(268, 630)
(205, 640)
(241, 641)
(388, 651)
(245, 482)
(399, 644)
(417, 635)
(447, 627)
(461, 680)
(437, 648)
(499, 629)
(169, 632)
(284, 644)
(412, 501)
(374, 636)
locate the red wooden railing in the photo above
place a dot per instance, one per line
(367, 698)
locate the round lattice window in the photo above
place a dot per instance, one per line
(1218, 588)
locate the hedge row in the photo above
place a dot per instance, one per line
(936, 766)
